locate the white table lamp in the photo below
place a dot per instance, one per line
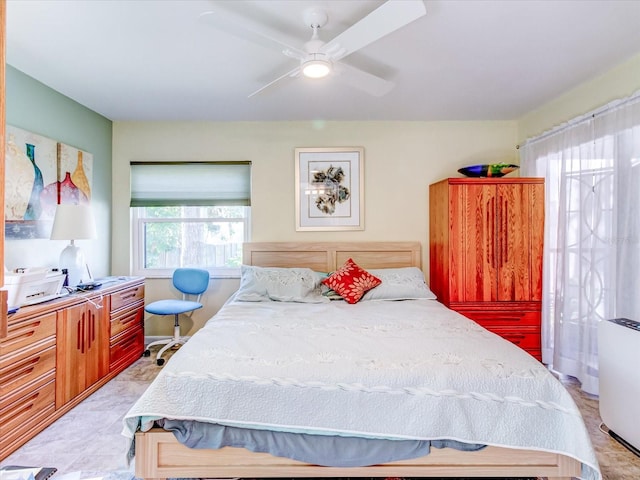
(73, 222)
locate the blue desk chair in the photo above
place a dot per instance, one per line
(191, 282)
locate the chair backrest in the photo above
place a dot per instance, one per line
(191, 281)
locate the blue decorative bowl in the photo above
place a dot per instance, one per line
(489, 170)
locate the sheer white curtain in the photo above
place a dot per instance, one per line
(592, 231)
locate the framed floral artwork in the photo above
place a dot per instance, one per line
(329, 188)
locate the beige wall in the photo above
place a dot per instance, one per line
(619, 82)
(401, 159)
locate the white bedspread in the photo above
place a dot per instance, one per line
(381, 369)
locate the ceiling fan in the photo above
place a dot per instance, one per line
(316, 58)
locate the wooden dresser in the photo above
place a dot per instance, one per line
(58, 353)
(485, 253)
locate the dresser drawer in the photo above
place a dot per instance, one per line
(128, 318)
(27, 365)
(26, 332)
(24, 414)
(126, 297)
(126, 347)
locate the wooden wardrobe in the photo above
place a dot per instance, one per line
(485, 242)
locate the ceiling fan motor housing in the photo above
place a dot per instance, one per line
(315, 17)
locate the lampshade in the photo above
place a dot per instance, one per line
(73, 222)
(316, 66)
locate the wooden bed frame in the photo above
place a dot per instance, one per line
(160, 455)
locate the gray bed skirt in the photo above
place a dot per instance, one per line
(324, 450)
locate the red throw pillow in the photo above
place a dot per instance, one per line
(351, 282)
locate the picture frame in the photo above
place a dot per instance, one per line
(329, 188)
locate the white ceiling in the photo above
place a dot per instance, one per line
(463, 60)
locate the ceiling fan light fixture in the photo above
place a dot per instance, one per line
(316, 67)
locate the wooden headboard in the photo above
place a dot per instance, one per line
(328, 256)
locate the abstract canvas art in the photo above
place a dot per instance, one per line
(75, 171)
(39, 174)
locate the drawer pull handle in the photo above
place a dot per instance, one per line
(23, 332)
(517, 339)
(129, 320)
(129, 342)
(129, 295)
(22, 368)
(27, 405)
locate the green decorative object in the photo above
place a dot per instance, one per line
(488, 170)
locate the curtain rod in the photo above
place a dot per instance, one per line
(583, 118)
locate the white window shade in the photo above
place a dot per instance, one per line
(157, 184)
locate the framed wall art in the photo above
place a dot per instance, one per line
(329, 188)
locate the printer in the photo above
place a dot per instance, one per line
(28, 286)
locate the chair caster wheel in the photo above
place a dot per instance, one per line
(146, 353)
(160, 361)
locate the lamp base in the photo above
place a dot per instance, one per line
(72, 259)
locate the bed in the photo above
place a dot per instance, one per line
(405, 366)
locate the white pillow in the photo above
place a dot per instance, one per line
(263, 284)
(399, 284)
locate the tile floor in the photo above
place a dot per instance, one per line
(86, 442)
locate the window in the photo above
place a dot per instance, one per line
(195, 236)
(591, 167)
(189, 215)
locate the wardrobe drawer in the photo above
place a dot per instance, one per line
(527, 338)
(26, 332)
(129, 318)
(524, 339)
(27, 365)
(126, 297)
(504, 318)
(520, 326)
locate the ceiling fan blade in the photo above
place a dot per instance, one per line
(365, 81)
(291, 73)
(387, 18)
(250, 30)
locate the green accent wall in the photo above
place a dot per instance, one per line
(35, 107)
